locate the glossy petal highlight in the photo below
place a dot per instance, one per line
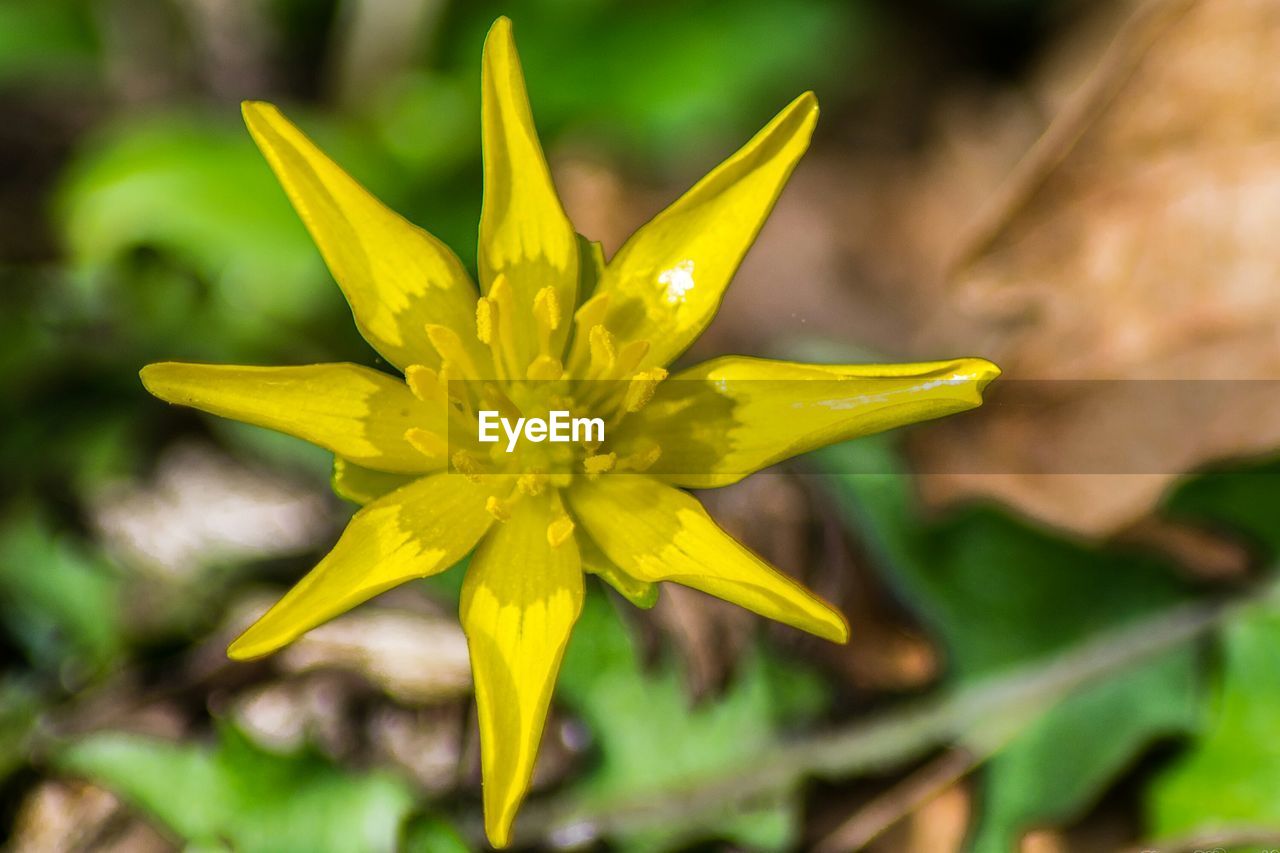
(419, 530)
(524, 232)
(726, 418)
(356, 412)
(666, 282)
(654, 532)
(396, 277)
(520, 600)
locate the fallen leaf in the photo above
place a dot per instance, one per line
(1135, 241)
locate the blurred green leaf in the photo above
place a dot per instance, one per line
(666, 80)
(40, 37)
(61, 603)
(999, 593)
(19, 709)
(237, 794)
(433, 835)
(1231, 775)
(175, 223)
(651, 739)
(1236, 501)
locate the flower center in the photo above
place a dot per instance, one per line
(602, 385)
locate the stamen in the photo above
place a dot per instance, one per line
(640, 390)
(498, 508)
(641, 460)
(427, 443)
(545, 367)
(591, 313)
(559, 531)
(486, 308)
(425, 383)
(599, 464)
(546, 308)
(604, 354)
(630, 356)
(531, 484)
(452, 352)
(502, 300)
(467, 465)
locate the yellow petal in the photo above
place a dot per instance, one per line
(640, 593)
(396, 277)
(520, 599)
(362, 485)
(524, 232)
(666, 282)
(654, 532)
(721, 420)
(356, 412)
(419, 530)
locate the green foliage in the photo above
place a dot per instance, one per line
(999, 594)
(235, 257)
(1230, 777)
(39, 38)
(61, 603)
(238, 795)
(661, 79)
(651, 740)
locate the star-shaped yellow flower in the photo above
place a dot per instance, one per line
(551, 309)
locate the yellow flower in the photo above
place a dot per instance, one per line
(551, 309)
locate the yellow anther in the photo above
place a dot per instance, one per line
(545, 367)
(500, 290)
(631, 354)
(592, 312)
(452, 352)
(599, 464)
(641, 460)
(546, 308)
(559, 531)
(498, 508)
(427, 443)
(486, 319)
(531, 484)
(467, 465)
(424, 383)
(603, 353)
(640, 390)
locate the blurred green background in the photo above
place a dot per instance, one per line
(1010, 684)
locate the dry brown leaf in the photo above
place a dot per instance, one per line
(1136, 241)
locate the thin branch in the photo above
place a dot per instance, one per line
(1121, 59)
(912, 793)
(973, 717)
(1227, 838)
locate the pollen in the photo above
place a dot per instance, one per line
(600, 463)
(429, 444)
(498, 508)
(559, 531)
(642, 387)
(486, 311)
(425, 383)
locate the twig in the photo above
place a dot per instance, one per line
(912, 793)
(973, 717)
(1227, 838)
(1121, 59)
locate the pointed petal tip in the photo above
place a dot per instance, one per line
(807, 101)
(497, 828)
(499, 32)
(257, 110)
(829, 624)
(239, 650)
(984, 372)
(157, 379)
